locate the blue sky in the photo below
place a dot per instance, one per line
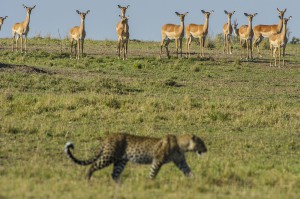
(146, 17)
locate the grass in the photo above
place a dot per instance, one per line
(246, 112)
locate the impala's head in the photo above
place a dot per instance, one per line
(229, 14)
(2, 20)
(181, 16)
(281, 13)
(29, 9)
(235, 28)
(285, 20)
(123, 10)
(82, 14)
(207, 14)
(250, 16)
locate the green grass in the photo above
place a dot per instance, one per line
(246, 112)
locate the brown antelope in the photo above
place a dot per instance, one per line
(172, 31)
(277, 41)
(246, 34)
(123, 36)
(227, 31)
(198, 31)
(2, 19)
(21, 29)
(78, 34)
(123, 10)
(261, 31)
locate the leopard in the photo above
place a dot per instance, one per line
(120, 148)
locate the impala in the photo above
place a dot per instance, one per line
(246, 34)
(261, 31)
(78, 34)
(123, 36)
(227, 32)
(277, 41)
(2, 19)
(21, 29)
(198, 31)
(172, 31)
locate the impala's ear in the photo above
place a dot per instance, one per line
(24, 6)
(284, 10)
(127, 6)
(33, 7)
(233, 12)
(203, 11)
(212, 11)
(246, 14)
(278, 10)
(177, 13)
(290, 17)
(254, 14)
(225, 12)
(5, 17)
(87, 12)
(186, 13)
(78, 12)
(119, 6)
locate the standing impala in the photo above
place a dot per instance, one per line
(261, 31)
(21, 29)
(198, 31)
(172, 31)
(78, 34)
(227, 31)
(123, 36)
(277, 41)
(246, 34)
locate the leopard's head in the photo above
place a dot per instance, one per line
(191, 143)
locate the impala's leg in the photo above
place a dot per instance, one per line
(126, 48)
(82, 44)
(176, 44)
(250, 49)
(17, 39)
(279, 54)
(119, 48)
(167, 49)
(25, 43)
(225, 39)
(247, 44)
(123, 49)
(229, 44)
(274, 54)
(188, 44)
(78, 49)
(200, 44)
(163, 36)
(13, 40)
(72, 40)
(180, 43)
(271, 49)
(203, 44)
(21, 43)
(283, 54)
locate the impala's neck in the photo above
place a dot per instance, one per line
(82, 25)
(283, 32)
(182, 27)
(27, 20)
(205, 27)
(249, 27)
(280, 24)
(229, 26)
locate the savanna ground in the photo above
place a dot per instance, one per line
(248, 114)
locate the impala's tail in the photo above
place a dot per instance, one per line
(70, 145)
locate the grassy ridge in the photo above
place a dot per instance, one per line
(247, 113)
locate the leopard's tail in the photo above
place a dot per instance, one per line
(70, 145)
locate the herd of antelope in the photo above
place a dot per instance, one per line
(249, 37)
